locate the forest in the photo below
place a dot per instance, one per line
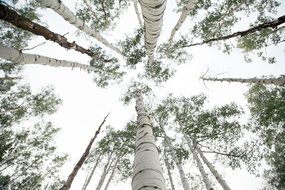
(142, 95)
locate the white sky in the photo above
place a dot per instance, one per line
(85, 105)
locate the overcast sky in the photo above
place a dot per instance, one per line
(85, 105)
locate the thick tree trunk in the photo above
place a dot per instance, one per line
(185, 12)
(112, 173)
(105, 172)
(169, 172)
(63, 11)
(147, 172)
(152, 11)
(218, 177)
(276, 81)
(19, 21)
(89, 177)
(79, 164)
(16, 56)
(183, 178)
(137, 12)
(205, 177)
(272, 24)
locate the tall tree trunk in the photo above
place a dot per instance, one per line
(169, 172)
(185, 12)
(16, 56)
(152, 13)
(272, 24)
(63, 11)
(137, 12)
(183, 178)
(79, 164)
(147, 172)
(205, 177)
(112, 173)
(276, 81)
(105, 172)
(218, 176)
(89, 177)
(19, 21)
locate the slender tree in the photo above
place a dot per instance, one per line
(167, 164)
(106, 170)
(90, 175)
(112, 173)
(138, 13)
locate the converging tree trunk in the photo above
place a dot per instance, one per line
(16, 56)
(19, 21)
(276, 81)
(89, 177)
(153, 18)
(147, 172)
(105, 172)
(79, 164)
(185, 12)
(63, 11)
(205, 177)
(169, 172)
(218, 177)
(137, 12)
(112, 173)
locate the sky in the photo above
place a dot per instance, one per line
(85, 105)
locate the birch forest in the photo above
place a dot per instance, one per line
(142, 95)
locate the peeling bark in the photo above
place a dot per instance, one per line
(19, 21)
(79, 164)
(147, 172)
(276, 81)
(218, 176)
(205, 177)
(16, 56)
(63, 11)
(152, 13)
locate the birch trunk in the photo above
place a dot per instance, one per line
(147, 172)
(89, 177)
(112, 173)
(168, 172)
(19, 21)
(205, 177)
(13, 55)
(276, 81)
(152, 13)
(183, 178)
(79, 164)
(64, 12)
(218, 177)
(104, 173)
(185, 12)
(137, 12)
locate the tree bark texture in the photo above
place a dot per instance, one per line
(169, 172)
(79, 164)
(19, 21)
(218, 176)
(185, 12)
(276, 81)
(16, 56)
(63, 11)
(89, 177)
(147, 173)
(205, 177)
(152, 11)
(272, 24)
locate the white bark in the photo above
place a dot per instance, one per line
(112, 173)
(13, 55)
(147, 172)
(152, 11)
(169, 172)
(205, 177)
(218, 177)
(276, 81)
(87, 181)
(104, 173)
(137, 12)
(63, 11)
(185, 12)
(183, 178)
